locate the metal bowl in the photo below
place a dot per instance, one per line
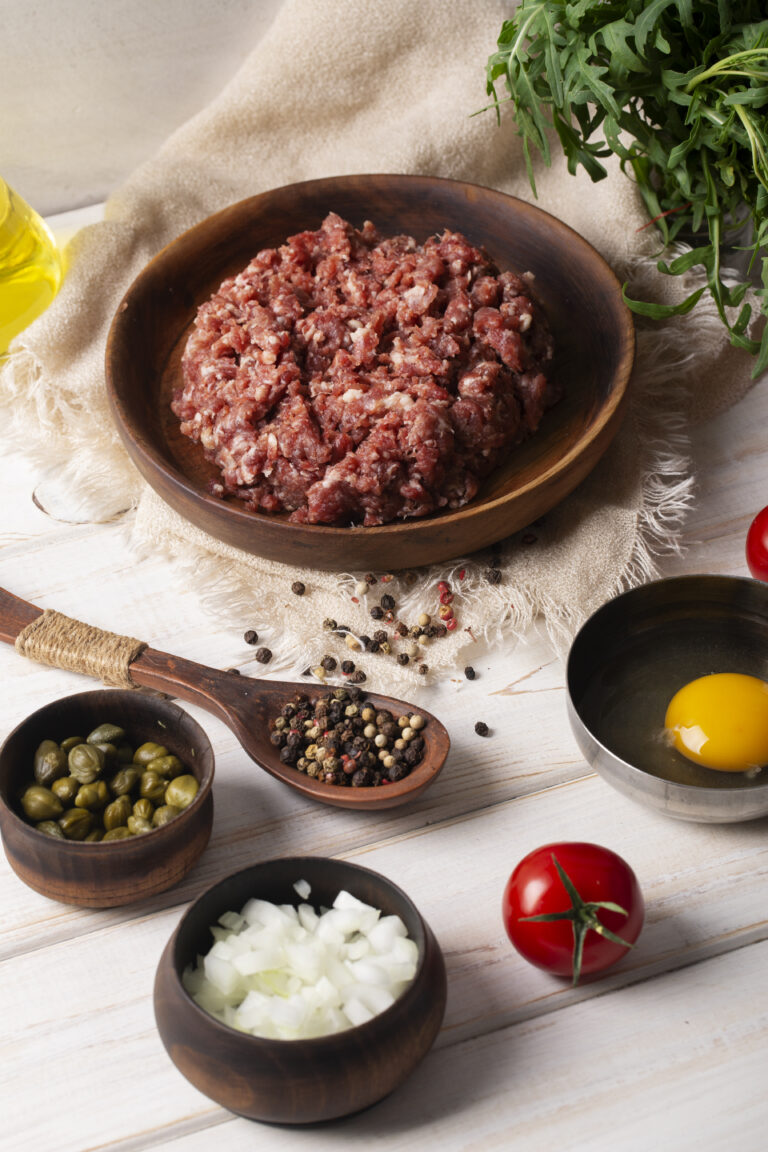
(628, 661)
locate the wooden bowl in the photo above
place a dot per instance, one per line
(298, 1081)
(592, 330)
(99, 875)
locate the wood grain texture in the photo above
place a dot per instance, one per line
(592, 332)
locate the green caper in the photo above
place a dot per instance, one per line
(138, 825)
(50, 763)
(152, 787)
(39, 803)
(143, 808)
(117, 813)
(70, 743)
(93, 796)
(76, 823)
(51, 828)
(168, 766)
(149, 751)
(125, 780)
(124, 754)
(66, 788)
(165, 814)
(181, 791)
(106, 734)
(121, 833)
(85, 762)
(111, 758)
(94, 836)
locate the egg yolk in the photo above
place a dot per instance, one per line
(721, 721)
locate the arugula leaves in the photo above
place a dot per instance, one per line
(679, 92)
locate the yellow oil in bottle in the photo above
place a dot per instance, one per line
(30, 265)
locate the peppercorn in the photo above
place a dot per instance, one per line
(328, 663)
(366, 642)
(347, 667)
(403, 658)
(493, 575)
(377, 613)
(329, 624)
(423, 669)
(251, 637)
(482, 729)
(387, 602)
(401, 629)
(358, 677)
(469, 672)
(298, 588)
(263, 655)
(370, 578)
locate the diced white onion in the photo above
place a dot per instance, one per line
(288, 972)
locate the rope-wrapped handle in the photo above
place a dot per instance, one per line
(61, 642)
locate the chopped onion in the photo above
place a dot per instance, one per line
(285, 972)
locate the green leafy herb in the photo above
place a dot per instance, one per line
(678, 91)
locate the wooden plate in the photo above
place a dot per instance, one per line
(592, 330)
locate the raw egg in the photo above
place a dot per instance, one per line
(721, 721)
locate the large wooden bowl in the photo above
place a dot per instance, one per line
(298, 1081)
(120, 871)
(592, 330)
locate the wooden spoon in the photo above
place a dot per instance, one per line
(246, 706)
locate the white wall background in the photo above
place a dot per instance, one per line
(90, 88)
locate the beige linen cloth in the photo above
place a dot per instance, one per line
(360, 86)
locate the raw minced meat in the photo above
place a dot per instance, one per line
(351, 379)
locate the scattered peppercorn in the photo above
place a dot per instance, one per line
(423, 669)
(387, 601)
(377, 613)
(328, 663)
(347, 667)
(298, 587)
(251, 637)
(234, 671)
(469, 672)
(358, 677)
(482, 729)
(329, 625)
(403, 658)
(263, 655)
(370, 578)
(380, 636)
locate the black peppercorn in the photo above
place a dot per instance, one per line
(298, 588)
(347, 666)
(387, 602)
(329, 625)
(251, 637)
(380, 636)
(328, 663)
(482, 729)
(263, 655)
(469, 672)
(377, 613)
(358, 677)
(366, 642)
(403, 658)
(423, 669)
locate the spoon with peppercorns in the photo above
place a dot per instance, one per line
(342, 746)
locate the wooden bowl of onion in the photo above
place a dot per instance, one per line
(105, 797)
(300, 990)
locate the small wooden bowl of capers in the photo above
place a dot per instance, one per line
(105, 797)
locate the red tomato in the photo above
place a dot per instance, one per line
(757, 546)
(577, 918)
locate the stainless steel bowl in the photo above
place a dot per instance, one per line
(627, 662)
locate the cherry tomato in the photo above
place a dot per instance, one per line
(573, 908)
(757, 546)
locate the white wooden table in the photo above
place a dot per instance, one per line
(667, 1051)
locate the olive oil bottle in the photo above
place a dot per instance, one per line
(30, 265)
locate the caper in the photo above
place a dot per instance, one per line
(124, 754)
(66, 788)
(138, 825)
(149, 751)
(106, 734)
(70, 743)
(76, 823)
(92, 796)
(143, 808)
(152, 787)
(125, 780)
(121, 833)
(165, 814)
(181, 791)
(85, 762)
(168, 766)
(39, 803)
(50, 763)
(111, 758)
(117, 813)
(94, 836)
(51, 828)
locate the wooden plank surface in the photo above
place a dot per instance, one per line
(667, 1050)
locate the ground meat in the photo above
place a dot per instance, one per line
(351, 379)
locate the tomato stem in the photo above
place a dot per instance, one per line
(583, 917)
